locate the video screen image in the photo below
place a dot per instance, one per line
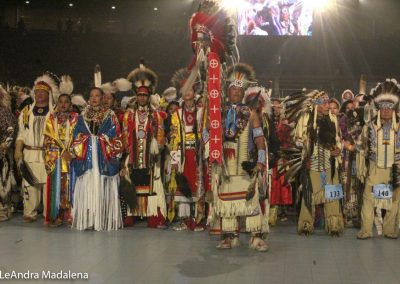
(275, 18)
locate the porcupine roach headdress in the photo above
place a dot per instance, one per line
(241, 75)
(144, 80)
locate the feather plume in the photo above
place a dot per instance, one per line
(395, 179)
(108, 88)
(183, 185)
(79, 101)
(154, 147)
(249, 167)
(27, 173)
(66, 85)
(363, 85)
(128, 191)
(122, 85)
(97, 76)
(143, 77)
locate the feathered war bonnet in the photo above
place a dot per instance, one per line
(386, 96)
(48, 82)
(258, 97)
(212, 26)
(304, 102)
(240, 75)
(144, 80)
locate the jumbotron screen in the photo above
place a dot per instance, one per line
(275, 18)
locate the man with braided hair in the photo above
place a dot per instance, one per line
(238, 189)
(317, 137)
(378, 165)
(185, 166)
(29, 148)
(143, 135)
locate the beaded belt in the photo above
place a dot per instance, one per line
(33, 148)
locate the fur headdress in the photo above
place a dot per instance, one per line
(5, 98)
(124, 91)
(122, 85)
(241, 75)
(169, 95)
(347, 95)
(182, 80)
(79, 101)
(144, 80)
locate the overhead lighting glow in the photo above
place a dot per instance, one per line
(321, 5)
(71, 4)
(155, 9)
(234, 5)
(113, 7)
(27, 2)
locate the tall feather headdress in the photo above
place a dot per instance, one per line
(212, 24)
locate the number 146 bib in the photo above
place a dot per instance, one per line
(382, 191)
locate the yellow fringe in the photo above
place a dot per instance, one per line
(334, 224)
(318, 197)
(273, 215)
(229, 224)
(383, 203)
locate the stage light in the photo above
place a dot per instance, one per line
(233, 5)
(155, 9)
(321, 5)
(71, 4)
(113, 7)
(27, 2)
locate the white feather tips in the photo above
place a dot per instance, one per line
(169, 94)
(78, 100)
(66, 85)
(155, 101)
(97, 76)
(154, 147)
(108, 88)
(122, 85)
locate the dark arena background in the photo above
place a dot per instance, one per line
(350, 38)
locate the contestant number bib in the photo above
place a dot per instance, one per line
(333, 191)
(382, 191)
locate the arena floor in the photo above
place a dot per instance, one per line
(141, 255)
